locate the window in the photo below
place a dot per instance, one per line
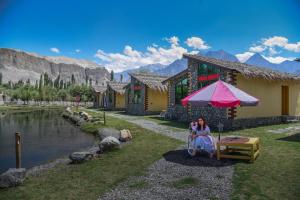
(181, 90)
(137, 92)
(207, 75)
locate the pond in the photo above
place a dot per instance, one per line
(45, 136)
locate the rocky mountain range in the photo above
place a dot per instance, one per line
(18, 65)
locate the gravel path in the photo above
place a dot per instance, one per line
(153, 126)
(168, 177)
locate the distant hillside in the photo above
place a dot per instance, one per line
(222, 55)
(285, 66)
(16, 65)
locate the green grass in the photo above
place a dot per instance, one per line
(91, 179)
(174, 125)
(275, 174)
(185, 182)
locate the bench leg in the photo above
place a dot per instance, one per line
(252, 154)
(218, 151)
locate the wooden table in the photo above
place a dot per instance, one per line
(238, 148)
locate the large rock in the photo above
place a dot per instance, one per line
(12, 177)
(125, 135)
(106, 132)
(80, 157)
(109, 143)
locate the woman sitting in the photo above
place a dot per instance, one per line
(202, 140)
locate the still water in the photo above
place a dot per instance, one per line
(45, 136)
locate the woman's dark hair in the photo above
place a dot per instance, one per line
(204, 124)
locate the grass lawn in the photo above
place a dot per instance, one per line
(276, 172)
(175, 125)
(91, 179)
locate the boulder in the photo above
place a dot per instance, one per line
(85, 116)
(94, 150)
(106, 132)
(80, 157)
(12, 177)
(125, 135)
(109, 143)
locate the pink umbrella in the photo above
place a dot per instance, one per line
(221, 95)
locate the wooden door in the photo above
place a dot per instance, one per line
(285, 100)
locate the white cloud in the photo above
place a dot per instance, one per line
(173, 40)
(77, 50)
(54, 49)
(282, 42)
(132, 58)
(257, 49)
(243, 57)
(196, 43)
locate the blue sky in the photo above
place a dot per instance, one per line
(125, 34)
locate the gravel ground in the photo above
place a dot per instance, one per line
(213, 178)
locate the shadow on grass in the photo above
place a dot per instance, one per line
(291, 138)
(182, 157)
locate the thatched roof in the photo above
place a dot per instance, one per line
(99, 88)
(153, 81)
(181, 74)
(117, 87)
(249, 71)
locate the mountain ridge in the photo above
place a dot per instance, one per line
(18, 65)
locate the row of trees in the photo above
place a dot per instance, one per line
(48, 90)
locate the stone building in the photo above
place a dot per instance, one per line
(115, 96)
(99, 95)
(145, 94)
(279, 93)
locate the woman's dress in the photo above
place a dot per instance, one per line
(204, 141)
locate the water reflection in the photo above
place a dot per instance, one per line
(45, 136)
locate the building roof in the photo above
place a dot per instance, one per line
(178, 75)
(99, 88)
(117, 87)
(153, 81)
(249, 71)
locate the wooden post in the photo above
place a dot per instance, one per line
(104, 119)
(18, 149)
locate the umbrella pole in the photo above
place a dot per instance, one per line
(220, 128)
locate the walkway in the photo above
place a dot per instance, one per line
(176, 175)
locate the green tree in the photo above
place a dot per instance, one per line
(62, 94)
(1, 76)
(112, 75)
(121, 78)
(73, 79)
(56, 81)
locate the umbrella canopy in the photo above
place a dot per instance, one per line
(220, 94)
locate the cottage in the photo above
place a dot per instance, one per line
(279, 93)
(115, 96)
(145, 94)
(99, 95)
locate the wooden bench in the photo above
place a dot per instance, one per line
(238, 148)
